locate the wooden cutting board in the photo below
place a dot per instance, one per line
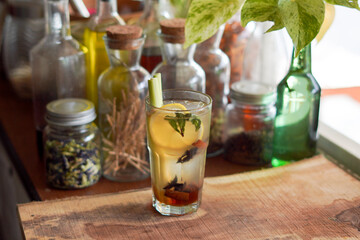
(310, 199)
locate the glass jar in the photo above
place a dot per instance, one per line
(178, 68)
(97, 60)
(122, 89)
(151, 54)
(71, 144)
(57, 64)
(233, 43)
(24, 28)
(249, 123)
(217, 70)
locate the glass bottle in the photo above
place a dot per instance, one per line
(71, 144)
(97, 59)
(122, 89)
(297, 111)
(249, 125)
(259, 54)
(233, 43)
(216, 65)
(24, 28)
(151, 54)
(178, 68)
(57, 63)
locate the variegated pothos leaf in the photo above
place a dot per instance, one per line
(206, 16)
(345, 3)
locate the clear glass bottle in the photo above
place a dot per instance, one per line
(122, 89)
(260, 53)
(97, 59)
(216, 65)
(71, 144)
(178, 68)
(249, 124)
(57, 63)
(24, 28)
(151, 54)
(233, 43)
(297, 111)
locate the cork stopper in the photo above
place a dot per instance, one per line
(124, 37)
(173, 30)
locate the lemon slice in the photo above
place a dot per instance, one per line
(163, 135)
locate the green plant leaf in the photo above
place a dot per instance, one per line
(196, 122)
(345, 3)
(301, 18)
(260, 11)
(206, 16)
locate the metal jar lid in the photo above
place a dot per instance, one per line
(251, 92)
(70, 112)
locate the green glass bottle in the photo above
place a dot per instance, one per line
(297, 115)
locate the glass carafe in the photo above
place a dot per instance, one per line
(178, 68)
(97, 59)
(24, 28)
(122, 89)
(57, 62)
(217, 70)
(297, 115)
(151, 54)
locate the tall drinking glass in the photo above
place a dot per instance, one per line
(177, 138)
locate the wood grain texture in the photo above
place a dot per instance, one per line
(310, 199)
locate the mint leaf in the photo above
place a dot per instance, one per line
(206, 16)
(173, 123)
(345, 3)
(178, 122)
(196, 122)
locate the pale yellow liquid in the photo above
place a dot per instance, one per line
(97, 62)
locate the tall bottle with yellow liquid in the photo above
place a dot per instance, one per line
(97, 59)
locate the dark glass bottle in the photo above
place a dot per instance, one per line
(297, 115)
(151, 54)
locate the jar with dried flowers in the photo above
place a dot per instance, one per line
(122, 88)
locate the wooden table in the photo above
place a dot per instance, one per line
(310, 199)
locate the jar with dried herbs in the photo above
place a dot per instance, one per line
(217, 71)
(122, 89)
(249, 124)
(71, 144)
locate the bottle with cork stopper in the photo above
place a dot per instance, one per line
(178, 68)
(122, 89)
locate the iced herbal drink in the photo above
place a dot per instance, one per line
(177, 137)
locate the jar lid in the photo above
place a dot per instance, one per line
(70, 112)
(173, 30)
(251, 92)
(122, 37)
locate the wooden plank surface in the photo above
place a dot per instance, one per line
(310, 199)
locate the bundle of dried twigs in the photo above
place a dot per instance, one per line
(125, 143)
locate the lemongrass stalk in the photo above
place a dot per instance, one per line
(155, 91)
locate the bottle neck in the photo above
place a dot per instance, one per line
(302, 63)
(150, 9)
(175, 52)
(128, 58)
(106, 8)
(57, 18)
